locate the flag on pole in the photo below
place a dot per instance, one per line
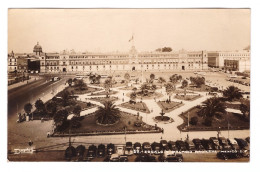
(132, 38)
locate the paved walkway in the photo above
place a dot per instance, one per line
(32, 79)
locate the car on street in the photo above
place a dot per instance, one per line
(233, 144)
(215, 143)
(118, 158)
(137, 148)
(171, 157)
(244, 147)
(147, 147)
(129, 148)
(101, 150)
(120, 150)
(225, 155)
(143, 157)
(198, 144)
(181, 145)
(224, 143)
(164, 145)
(206, 144)
(190, 145)
(110, 149)
(248, 139)
(80, 150)
(70, 152)
(156, 148)
(172, 146)
(92, 152)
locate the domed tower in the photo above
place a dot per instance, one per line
(37, 49)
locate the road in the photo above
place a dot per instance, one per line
(19, 96)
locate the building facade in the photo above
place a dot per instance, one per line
(73, 62)
(230, 60)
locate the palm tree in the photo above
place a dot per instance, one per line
(161, 80)
(152, 76)
(108, 114)
(245, 108)
(77, 110)
(127, 77)
(97, 79)
(232, 93)
(92, 78)
(108, 85)
(169, 87)
(213, 107)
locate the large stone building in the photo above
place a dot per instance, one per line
(230, 60)
(182, 60)
(73, 62)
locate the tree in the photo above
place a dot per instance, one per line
(97, 79)
(152, 77)
(108, 114)
(153, 87)
(69, 81)
(27, 108)
(173, 78)
(75, 122)
(198, 81)
(245, 108)
(232, 93)
(77, 110)
(161, 80)
(65, 97)
(81, 84)
(212, 107)
(169, 87)
(108, 85)
(132, 97)
(184, 84)
(39, 105)
(127, 77)
(194, 120)
(134, 89)
(51, 108)
(144, 87)
(92, 78)
(60, 117)
(158, 50)
(166, 49)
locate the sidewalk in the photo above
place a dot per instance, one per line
(32, 79)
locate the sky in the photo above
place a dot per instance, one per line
(106, 30)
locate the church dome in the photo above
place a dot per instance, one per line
(37, 48)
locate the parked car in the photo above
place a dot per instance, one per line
(171, 157)
(206, 144)
(172, 146)
(80, 150)
(156, 148)
(129, 148)
(198, 144)
(110, 149)
(233, 144)
(224, 143)
(118, 158)
(92, 152)
(229, 155)
(137, 147)
(244, 146)
(215, 143)
(147, 147)
(248, 139)
(70, 152)
(120, 150)
(101, 150)
(180, 145)
(164, 145)
(190, 145)
(145, 158)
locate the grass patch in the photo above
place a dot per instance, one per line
(187, 97)
(138, 106)
(102, 93)
(236, 122)
(104, 99)
(168, 107)
(74, 90)
(203, 88)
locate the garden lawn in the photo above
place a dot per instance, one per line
(104, 99)
(138, 106)
(89, 125)
(203, 88)
(102, 93)
(187, 97)
(168, 107)
(75, 90)
(236, 122)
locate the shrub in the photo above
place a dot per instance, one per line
(208, 122)
(88, 104)
(194, 120)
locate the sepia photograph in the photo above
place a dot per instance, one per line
(128, 85)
